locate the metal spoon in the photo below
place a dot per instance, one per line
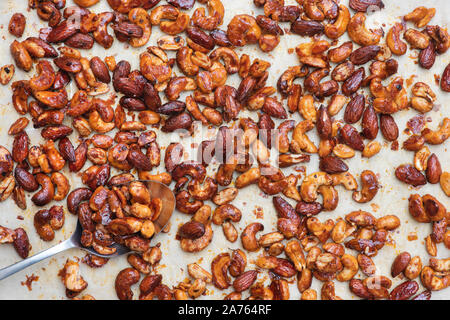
(157, 190)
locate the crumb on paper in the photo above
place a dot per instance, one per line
(29, 281)
(258, 212)
(412, 236)
(375, 207)
(394, 145)
(410, 80)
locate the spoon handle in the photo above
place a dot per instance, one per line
(7, 271)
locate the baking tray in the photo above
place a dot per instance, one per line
(391, 198)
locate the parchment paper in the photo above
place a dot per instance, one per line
(391, 199)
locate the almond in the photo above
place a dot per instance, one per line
(245, 280)
(353, 83)
(410, 175)
(369, 123)
(414, 143)
(363, 5)
(388, 127)
(434, 170)
(364, 54)
(400, 263)
(17, 24)
(308, 208)
(56, 132)
(20, 147)
(351, 137)
(425, 295)
(138, 159)
(100, 70)
(307, 28)
(62, 31)
(354, 109)
(68, 64)
(180, 121)
(427, 56)
(25, 179)
(332, 165)
(18, 126)
(80, 41)
(274, 108)
(323, 125)
(22, 243)
(404, 291)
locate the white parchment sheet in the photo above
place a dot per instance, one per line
(391, 198)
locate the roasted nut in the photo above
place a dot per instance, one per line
(351, 137)
(366, 264)
(100, 70)
(417, 39)
(17, 24)
(400, 263)
(328, 292)
(191, 230)
(245, 280)
(423, 97)
(141, 18)
(361, 218)
(219, 270)
(350, 268)
(338, 28)
(178, 21)
(445, 182)
(364, 54)
(369, 188)
(243, 29)
(6, 73)
(124, 280)
(445, 79)
(427, 56)
(395, 44)
(306, 28)
(21, 243)
(71, 277)
(295, 253)
(62, 185)
(413, 268)
(432, 281)
(371, 149)
(358, 33)
(353, 82)
(421, 157)
(410, 175)
(420, 16)
(300, 141)
(21, 56)
(414, 143)
(364, 5)
(311, 183)
(404, 291)
(197, 272)
(77, 196)
(7, 235)
(248, 236)
(199, 244)
(440, 37)
(438, 136)
(46, 194)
